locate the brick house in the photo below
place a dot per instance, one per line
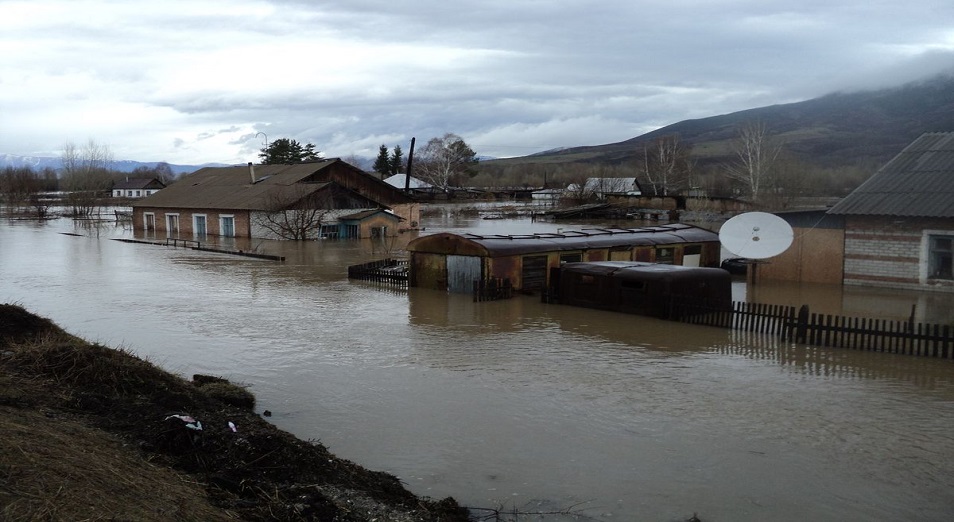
(265, 201)
(899, 224)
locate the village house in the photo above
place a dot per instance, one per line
(896, 230)
(453, 262)
(899, 224)
(135, 188)
(327, 198)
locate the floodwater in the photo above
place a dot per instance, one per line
(515, 403)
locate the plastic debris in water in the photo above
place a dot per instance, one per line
(232, 427)
(197, 426)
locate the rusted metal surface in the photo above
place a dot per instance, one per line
(505, 255)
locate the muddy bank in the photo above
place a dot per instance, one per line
(91, 432)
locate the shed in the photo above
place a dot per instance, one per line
(641, 288)
(453, 262)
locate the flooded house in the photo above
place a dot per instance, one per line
(328, 198)
(895, 230)
(453, 262)
(656, 290)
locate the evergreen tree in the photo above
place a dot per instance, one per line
(382, 165)
(397, 160)
(284, 151)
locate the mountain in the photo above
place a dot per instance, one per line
(839, 129)
(40, 162)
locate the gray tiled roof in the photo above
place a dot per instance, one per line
(918, 182)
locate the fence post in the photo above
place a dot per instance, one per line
(801, 326)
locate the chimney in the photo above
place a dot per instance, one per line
(251, 171)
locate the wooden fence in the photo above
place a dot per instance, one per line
(803, 326)
(492, 289)
(386, 271)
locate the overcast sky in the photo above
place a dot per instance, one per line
(196, 81)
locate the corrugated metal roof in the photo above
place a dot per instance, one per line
(232, 187)
(918, 182)
(499, 245)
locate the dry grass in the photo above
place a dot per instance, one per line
(87, 433)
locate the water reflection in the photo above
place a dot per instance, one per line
(517, 402)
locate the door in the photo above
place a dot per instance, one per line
(533, 273)
(462, 271)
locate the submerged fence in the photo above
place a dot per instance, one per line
(492, 289)
(803, 326)
(386, 271)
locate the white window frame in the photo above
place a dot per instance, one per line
(925, 257)
(222, 219)
(147, 219)
(195, 225)
(169, 218)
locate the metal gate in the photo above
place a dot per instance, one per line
(462, 271)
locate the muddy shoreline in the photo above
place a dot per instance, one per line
(98, 433)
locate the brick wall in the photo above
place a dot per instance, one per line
(887, 251)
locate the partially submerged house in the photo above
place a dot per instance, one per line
(135, 188)
(453, 262)
(899, 224)
(326, 198)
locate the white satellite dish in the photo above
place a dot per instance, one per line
(756, 235)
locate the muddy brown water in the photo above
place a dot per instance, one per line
(516, 403)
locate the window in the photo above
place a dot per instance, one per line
(199, 227)
(329, 231)
(172, 225)
(571, 258)
(138, 193)
(940, 253)
(664, 256)
(227, 226)
(149, 222)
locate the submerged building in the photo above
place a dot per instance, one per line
(453, 262)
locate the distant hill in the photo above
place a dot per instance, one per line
(40, 163)
(841, 129)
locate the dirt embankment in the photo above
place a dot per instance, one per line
(92, 433)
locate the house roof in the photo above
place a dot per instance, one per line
(498, 245)
(358, 216)
(398, 181)
(244, 187)
(918, 182)
(138, 184)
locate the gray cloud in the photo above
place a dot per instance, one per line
(191, 82)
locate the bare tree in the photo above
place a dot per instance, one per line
(755, 153)
(446, 161)
(665, 165)
(86, 176)
(20, 188)
(296, 212)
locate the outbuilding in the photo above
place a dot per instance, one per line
(651, 289)
(453, 262)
